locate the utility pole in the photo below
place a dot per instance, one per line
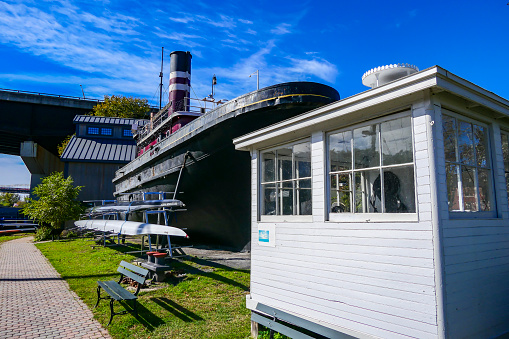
(82, 92)
(257, 78)
(214, 82)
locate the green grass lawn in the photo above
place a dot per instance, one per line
(209, 302)
(4, 238)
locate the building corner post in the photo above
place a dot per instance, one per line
(433, 116)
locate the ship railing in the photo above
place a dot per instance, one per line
(191, 105)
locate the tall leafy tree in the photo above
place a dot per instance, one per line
(56, 203)
(9, 199)
(122, 107)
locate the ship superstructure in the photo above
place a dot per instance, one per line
(192, 145)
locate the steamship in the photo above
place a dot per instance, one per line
(187, 149)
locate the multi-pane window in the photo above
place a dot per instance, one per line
(371, 168)
(127, 133)
(93, 130)
(106, 131)
(286, 180)
(505, 152)
(468, 165)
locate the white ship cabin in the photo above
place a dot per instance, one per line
(385, 214)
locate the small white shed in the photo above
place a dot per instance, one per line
(385, 214)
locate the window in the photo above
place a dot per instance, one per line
(468, 165)
(371, 168)
(127, 133)
(106, 131)
(93, 130)
(505, 152)
(286, 180)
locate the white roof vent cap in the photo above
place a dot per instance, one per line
(384, 74)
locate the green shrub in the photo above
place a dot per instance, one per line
(68, 234)
(43, 233)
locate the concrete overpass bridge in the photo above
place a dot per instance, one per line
(20, 189)
(45, 119)
(33, 124)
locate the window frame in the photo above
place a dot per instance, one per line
(489, 152)
(93, 128)
(110, 129)
(124, 130)
(280, 217)
(370, 217)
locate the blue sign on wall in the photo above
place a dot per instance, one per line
(263, 235)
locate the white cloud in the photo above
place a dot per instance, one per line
(317, 67)
(181, 38)
(68, 41)
(281, 29)
(183, 20)
(13, 171)
(247, 22)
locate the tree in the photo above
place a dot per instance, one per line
(9, 199)
(56, 204)
(122, 107)
(61, 147)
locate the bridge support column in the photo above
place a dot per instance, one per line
(39, 162)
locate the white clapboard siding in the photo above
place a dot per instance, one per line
(351, 301)
(384, 295)
(476, 255)
(458, 250)
(375, 326)
(374, 250)
(462, 280)
(465, 258)
(375, 278)
(345, 305)
(401, 299)
(368, 281)
(333, 320)
(397, 279)
(340, 262)
(340, 257)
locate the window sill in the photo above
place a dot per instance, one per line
(472, 215)
(373, 217)
(285, 218)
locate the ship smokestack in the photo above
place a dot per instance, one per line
(180, 80)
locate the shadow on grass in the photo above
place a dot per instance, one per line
(177, 310)
(211, 263)
(146, 318)
(215, 276)
(112, 275)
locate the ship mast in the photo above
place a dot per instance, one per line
(161, 83)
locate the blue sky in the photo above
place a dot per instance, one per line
(114, 47)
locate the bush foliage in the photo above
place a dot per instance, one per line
(56, 203)
(122, 107)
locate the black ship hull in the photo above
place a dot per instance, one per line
(215, 183)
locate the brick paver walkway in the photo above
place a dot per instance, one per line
(35, 302)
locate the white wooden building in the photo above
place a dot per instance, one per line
(423, 255)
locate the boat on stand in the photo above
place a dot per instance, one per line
(187, 150)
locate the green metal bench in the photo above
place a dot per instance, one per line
(116, 292)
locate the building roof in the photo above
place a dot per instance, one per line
(99, 149)
(378, 99)
(107, 120)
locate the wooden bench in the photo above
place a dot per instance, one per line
(116, 292)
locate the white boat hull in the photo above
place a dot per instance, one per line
(129, 227)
